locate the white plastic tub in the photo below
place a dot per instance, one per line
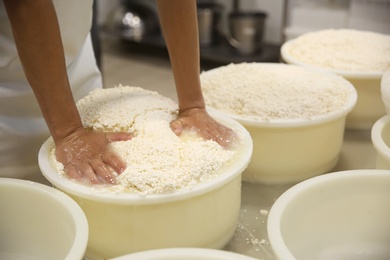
(380, 136)
(369, 106)
(184, 254)
(294, 151)
(340, 215)
(39, 222)
(120, 224)
(291, 150)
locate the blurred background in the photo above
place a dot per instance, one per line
(131, 51)
(130, 48)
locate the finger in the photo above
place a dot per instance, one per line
(103, 171)
(177, 127)
(87, 172)
(223, 138)
(114, 161)
(122, 136)
(71, 172)
(222, 141)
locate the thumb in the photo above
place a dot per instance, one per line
(121, 136)
(177, 127)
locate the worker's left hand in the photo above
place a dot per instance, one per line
(197, 119)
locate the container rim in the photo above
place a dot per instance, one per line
(244, 14)
(184, 253)
(376, 136)
(79, 244)
(385, 87)
(294, 123)
(77, 189)
(277, 210)
(286, 57)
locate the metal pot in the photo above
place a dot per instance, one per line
(133, 21)
(246, 31)
(209, 18)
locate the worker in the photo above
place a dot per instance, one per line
(47, 63)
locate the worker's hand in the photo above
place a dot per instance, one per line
(197, 119)
(86, 155)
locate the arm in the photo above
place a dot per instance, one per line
(39, 45)
(179, 23)
(38, 41)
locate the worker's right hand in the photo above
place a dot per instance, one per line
(198, 120)
(86, 155)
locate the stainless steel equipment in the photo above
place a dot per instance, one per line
(133, 21)
(246, 31)
(209, 18)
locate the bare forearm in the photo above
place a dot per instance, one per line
(38, 41)
(179, 24)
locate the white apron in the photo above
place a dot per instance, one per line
(22, 127)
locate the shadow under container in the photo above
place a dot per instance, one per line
(123, 223)
(340, 215)
(369, 106)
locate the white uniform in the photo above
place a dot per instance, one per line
(22, 127)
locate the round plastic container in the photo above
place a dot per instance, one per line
(185, 253)
(380, 136)
(124, 223)
(385, 90)
(294, 151)
(340, 215)
(39, 222)
(289, 151)
(367, 85)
